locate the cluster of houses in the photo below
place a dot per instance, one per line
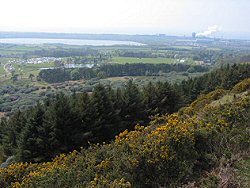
(34, 60)
(9, 67)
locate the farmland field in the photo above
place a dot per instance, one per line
(123, 60)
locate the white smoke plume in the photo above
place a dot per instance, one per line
(209, 31)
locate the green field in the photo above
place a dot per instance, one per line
(123, 60)
(27, 69)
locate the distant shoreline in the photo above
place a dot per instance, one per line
(119, 37)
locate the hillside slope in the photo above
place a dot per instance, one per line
(188, 146)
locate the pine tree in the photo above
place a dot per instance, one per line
(167, 99)
(12, 132)
(150, 99)
(84, 110)
(3, 127)
(133, 111)
(104, 116)
(30, 143)
(63, 123)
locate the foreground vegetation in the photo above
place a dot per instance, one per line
(174, 150)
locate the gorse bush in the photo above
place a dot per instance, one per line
(173, 150)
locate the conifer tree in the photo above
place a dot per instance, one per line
(150, 99)
(30, 143)
(133, 111)
(64, 124)
(12, 132)
(84, 111)
(104, 118)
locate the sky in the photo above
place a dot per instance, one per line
(126, 16)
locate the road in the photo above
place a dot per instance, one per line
(6, 70)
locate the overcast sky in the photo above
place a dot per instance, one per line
(125, 16)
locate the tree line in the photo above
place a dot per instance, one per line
(114, 70)
(225, 78)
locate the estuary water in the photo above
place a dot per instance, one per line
(68, 42)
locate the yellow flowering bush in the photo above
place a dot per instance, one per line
(104, 182)
(242, 86)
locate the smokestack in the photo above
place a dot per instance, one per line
(209, 31)
(193, 35)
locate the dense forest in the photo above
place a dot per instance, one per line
(115, 70)
(63, 123)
